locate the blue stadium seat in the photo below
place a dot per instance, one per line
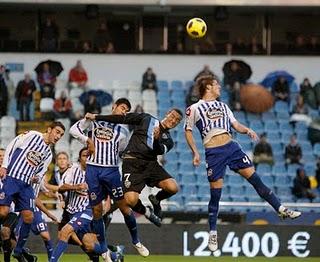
(271, 126)
(305, 146)
(279, 170)
(203, 189)
(246, 146)
(285, 126)
(236, 191)
(172, 168)
(268, 180)
(264, 169)
(313, 113)
(164, 105)
(276, 145)
(316, 149)
(243, 139)
(179, 104)
(163, 85)
(300, 126)
(177, 85)
(283, 115)
(257, 126)
(268, 116)
(182, 146)
(188, 84)
(294, 88)
(283, 190)
(236, 180)
(281, 180)
(252, 117)
(188, 189)
(292, 169)
(302, 136)
(185, 157)
(274, 137)
(188, 179)
(186, 168)
(239, 115)
(281, 106)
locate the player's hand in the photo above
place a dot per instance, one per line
(91, 148)
(253, 135)
(90, 116)
(35, 179)
(3, 173)
(82, 186)
(196, 159)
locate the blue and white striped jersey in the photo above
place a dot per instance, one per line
(27, 156)
(109, 140)
(77, 200)
(210, 117)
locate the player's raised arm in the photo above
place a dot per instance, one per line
(240, 128)
(128, 119)
(79, 128)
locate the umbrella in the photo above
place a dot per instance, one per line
(55, 67)
(243, 72)
(273, 76)
(103, 97)
(255, 98)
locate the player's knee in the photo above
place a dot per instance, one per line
(97, 211)
(4, 211)
(27, 217)
(45, 236)
(89, 240)
(65, 232)
(5, 233)
(172, 187)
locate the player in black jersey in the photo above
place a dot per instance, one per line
(140, 167)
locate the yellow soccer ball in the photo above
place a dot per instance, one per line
(196, 27)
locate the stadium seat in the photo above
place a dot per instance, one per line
(188, 179)
(271, 126)
(186, 168)
(292, 169)
(236, 180)
(268, 180)
(264, 169)
(316, 149)
(268, 116)
(163, 85)
(281, 106)
(176, 85)
(236, 191)
(188, 84)
(279, 170)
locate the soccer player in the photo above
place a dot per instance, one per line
(214, 120)
(140, 167)
(105, 141)
(26, 160)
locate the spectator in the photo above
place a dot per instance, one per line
(204, 72)
(293, 151)
(62, 106)
(239, 47)
(310, 94)
(86, 47)
(313, 46)
(280, 89)
(3, 93)
(102, 38)
(149, 80)
(233, 81)
(47, 82)
(299, 47)
(301, 185)
(10, 85)
(255, 48)
(262, 152)
(139, 109)
(300, 112)
(24, 96)
(92, 105)
(228, 49)
(78, 76)
(49, 36)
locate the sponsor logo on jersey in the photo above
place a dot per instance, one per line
(34, 158)
(103, 134)
(214, 113)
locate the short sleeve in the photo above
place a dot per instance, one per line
(230, 115)
(190, 118)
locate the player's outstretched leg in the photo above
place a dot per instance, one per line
(213, 208)
(147, 212)
(267, 194)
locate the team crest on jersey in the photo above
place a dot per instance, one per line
(127, 183)
(210, 172)
(103, 134)
(93, 196)
(214, 113)
(34, 158)
(2, 195)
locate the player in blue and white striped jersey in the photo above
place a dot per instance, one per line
(26, 160)
(105, 141)
(214, 120)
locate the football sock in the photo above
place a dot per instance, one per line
(139, 208)
(22, 239)
(98, 228)
(7, 249)
(132, 226)
(58, 251)
(49, 247)
(264, 191)
(107, 220)
(213, 207)
(163, 195)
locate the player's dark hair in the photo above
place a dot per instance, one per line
(203, 81)
(178, 111)
(80, 152)
(123, 100)
(2, 149)
(57, 123)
